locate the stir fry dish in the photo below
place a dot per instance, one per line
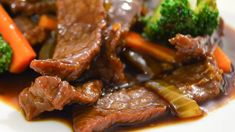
(115, 62)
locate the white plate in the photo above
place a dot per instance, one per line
(219, 120)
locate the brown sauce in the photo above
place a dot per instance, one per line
(12, 85)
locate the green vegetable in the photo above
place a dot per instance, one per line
(183, 106)
(207, 17)
(5, 55)
(194, 17)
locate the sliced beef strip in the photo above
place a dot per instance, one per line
(51, 93)
(121, 15)
(108, 66)
(31, 7)
(79, 39)
(201, 81)
(189, 47)
(32, 32)
(133, 105)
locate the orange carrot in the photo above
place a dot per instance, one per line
(47, 22)
(224, 63)
(22, 51)
(136, 42)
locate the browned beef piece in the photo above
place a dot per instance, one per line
(79, 39)
(51, 93)
(133, 105)
(189, 47)
(121, 15)
(30, 7)
(109, 67)
(32, 32)
(201, 81)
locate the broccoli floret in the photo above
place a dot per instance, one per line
(194, 17)
(171, 17)
(5, 55)
(207, 17)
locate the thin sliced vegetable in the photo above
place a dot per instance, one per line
(138, 61)
(47, 22)
(22, 51)
(137, 42)
(46, 50)
(223, 61)
(183, 106)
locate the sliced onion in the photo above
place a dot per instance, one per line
(182, 105)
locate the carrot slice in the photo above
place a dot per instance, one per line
(137, 42)
(22, 51)
(47, 22)
(223, 61)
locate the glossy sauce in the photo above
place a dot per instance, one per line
(12, 85)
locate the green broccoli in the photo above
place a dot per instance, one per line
(194, 17)
(5, 55)
(207, 17)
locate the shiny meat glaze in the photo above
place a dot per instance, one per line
(190, 48)
(121, 15)
(108, 66)
(89, 38)
(132, 105)
(79, 39)
(201, 81)
(124, 12)
(51, 93)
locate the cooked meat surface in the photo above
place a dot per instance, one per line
(51, 93)
(189, 48)
(30, 7)
(124, 12)
(84, 71)
(109, 66)
(32, 32)
(79, 39)
(133, 105)
(201, 81)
